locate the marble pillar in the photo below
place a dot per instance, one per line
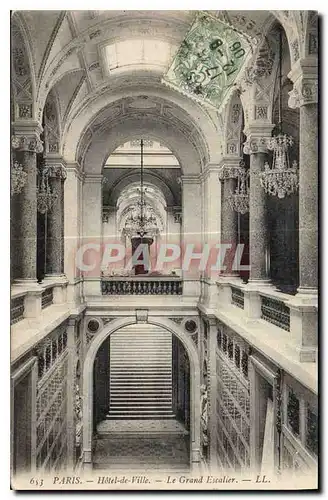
(304, 95)
(304, 306)
(256, 147)
(27, 143)
(55, 221)
(229, 218)
(308, 198)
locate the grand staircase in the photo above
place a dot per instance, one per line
(140, 373)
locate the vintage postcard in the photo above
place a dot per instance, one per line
(164, 250)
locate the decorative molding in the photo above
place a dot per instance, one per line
(235, 113)
(313, 43)
(25, 111)
(262, 66)
(261, 112)
(295, 50)
(232, 148)
(305, 91)
(177, 320)
(106, 320)
(142, 315)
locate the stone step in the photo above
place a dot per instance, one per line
(140, 373)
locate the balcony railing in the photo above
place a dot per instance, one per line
(47, 298)
(237, 297)
(17, 309)
(141, 286)
(275, 312)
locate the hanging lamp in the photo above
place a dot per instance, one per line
(239, 200)
(281, 178)
(141, 219)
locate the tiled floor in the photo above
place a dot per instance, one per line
(142, 445)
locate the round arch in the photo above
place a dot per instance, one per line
(108, 139)
(151, 178)
(112, 327)
(201, 124)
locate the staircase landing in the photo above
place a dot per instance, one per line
(142, 445)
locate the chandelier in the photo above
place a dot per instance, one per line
(45, 197)
(141, 220)
(281, 178)
(18, 178)
(239, 200)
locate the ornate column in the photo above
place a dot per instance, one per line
(305, 96)
(256, 147)
(26, 141)
(303, 307)
(56, 172)
(229, 222)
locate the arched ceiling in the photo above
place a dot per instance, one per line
(69, 56)
(166, 181)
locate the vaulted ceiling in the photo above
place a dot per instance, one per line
(82, 57)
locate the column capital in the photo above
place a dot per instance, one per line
(229, 168)
(304, 75)
(55, 167)
(258, 137)
(26, 136)
(56, 171)
(30, 143)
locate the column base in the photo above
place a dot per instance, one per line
(304, 323)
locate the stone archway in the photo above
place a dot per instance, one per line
(194, 385)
